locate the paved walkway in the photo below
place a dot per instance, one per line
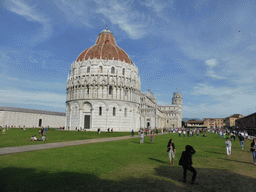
(20, 149)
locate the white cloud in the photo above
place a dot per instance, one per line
(211, 63)
(222, 101)
(78, 13)
(159, 6)
(134, 23)
(212, 74)
(33, 98)
(121, 13)
(252, 47)
(31, 14)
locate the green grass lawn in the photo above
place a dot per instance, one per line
(18, 137)
(129, 166)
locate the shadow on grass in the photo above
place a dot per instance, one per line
(20, 179)
(165, 178)
(235, 161)
(145, 142)
(209, 179)
(157, 160)
(215, 152)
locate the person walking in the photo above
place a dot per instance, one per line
(220, 134)
(141, 137)
(184, 133)
(171, 151)
(179, 132)
(132, 133)
(241, 139)
(231, 136)
(228, 146)
(253, 150)
(152, 137)
(186, 163)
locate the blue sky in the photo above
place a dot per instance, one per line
(206, 49)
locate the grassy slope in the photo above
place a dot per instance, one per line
(129, 166)
(17, 137)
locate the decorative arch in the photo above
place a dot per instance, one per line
(100, 69)
(87, 107)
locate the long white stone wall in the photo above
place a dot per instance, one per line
(16, 119)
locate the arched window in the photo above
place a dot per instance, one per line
(125, 112)
(100, 110)
(112, 70)
(101, 69)
(88, 69)
(110, 90)
(123, 71)
(114, 111)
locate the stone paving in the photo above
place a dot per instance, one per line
(20, 149)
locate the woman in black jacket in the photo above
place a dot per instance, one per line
(186, 162)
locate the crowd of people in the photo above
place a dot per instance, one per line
(42, 132)
(186, 157)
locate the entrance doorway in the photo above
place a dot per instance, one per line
(40, 123)
(87, 119)
(148, 124)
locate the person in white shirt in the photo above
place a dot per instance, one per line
(246, 135)
(228, 146)
(35, 139)
(179, 133)
(184, 133)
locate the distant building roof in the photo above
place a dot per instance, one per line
(236, 116)
(24, 110)
(189, 122)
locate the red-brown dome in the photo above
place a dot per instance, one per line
(105, 48)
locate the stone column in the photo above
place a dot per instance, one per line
(80, 118)
(91, 118)
(90, 92)
(107, 117)
(114, 92)
(120, 113)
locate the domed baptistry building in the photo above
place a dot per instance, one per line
(103, 91)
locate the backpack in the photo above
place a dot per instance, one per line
(182, 160)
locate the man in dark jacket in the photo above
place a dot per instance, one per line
(241, 139)
(186, 162)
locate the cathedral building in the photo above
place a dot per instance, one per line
(103, 91)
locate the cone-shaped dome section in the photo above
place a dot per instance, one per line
(105, 48)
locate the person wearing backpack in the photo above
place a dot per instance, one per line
(241, 139)
(186, 162)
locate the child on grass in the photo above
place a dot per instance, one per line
(152, 137)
